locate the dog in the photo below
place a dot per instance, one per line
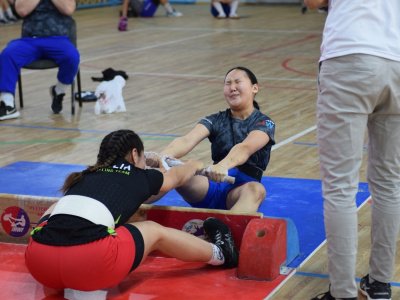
(109, 96)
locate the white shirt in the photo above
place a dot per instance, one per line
(362, 26)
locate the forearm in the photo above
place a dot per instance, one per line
(238, 155)
(315, 3)
(66, 7)
(185, 172)
(183, 145)
(25, 7)
(178, 147)
(179, 175)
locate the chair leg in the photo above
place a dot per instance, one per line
(21, 100)
(73, 98)
(79, 87)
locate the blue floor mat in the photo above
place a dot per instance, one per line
(297, 199)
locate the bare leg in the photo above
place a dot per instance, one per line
(246, 198)
(174, 243)
(123, 21)
(125, 5)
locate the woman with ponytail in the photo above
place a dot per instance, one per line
(241, 139)
(84, 241)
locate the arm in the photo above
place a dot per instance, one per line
(66, 7)
(183, 145)
(179, 175)
(312, 4)
(239, 154)
(24, 8)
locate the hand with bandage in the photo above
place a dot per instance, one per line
(216, 173)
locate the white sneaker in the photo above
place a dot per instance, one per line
(174, 13)
(234, 16)
(8, 112)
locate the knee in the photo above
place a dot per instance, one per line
(74, 57)
(71, 57)
(257, 190)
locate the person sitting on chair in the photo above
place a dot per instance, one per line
(143, 8)
(46, 34)
(222, 9)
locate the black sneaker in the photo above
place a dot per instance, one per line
(376, 290)
(56, 105)
(328, 296)
(8, 112)
(219, 234)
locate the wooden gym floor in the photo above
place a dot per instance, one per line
(176, 68)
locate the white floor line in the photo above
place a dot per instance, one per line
(324, 242)
(28, 72)
(117, 54)
(294, 137)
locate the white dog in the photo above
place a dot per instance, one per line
(109, 96)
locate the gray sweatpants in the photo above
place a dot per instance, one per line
(358, 93)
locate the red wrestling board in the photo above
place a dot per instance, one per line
(191, 219)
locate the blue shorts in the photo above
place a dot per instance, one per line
(218, 191)
(149, 8)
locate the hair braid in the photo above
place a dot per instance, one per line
(114, 146)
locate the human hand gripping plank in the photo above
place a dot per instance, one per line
(154, 160)
(208, 172)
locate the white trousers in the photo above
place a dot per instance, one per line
(359, 93)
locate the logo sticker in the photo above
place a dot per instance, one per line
(195, 227)
(15, 221)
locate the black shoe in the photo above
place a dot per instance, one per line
(219, 234)
(376, 290)
(328, 296)
(56, 105)
(8, 112)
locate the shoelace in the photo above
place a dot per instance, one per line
(218, 239)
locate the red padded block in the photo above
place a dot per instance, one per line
(178, 217)
(263, 249)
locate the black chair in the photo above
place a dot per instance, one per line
(44, 64)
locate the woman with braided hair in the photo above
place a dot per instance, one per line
(84, 242)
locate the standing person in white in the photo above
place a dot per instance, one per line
(359, 91)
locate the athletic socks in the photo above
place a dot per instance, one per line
(168, 8)
(220, 10)
(217, 258)
(234, 6)
(7, 98)
(60, 88)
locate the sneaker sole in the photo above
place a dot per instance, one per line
(11, 116)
